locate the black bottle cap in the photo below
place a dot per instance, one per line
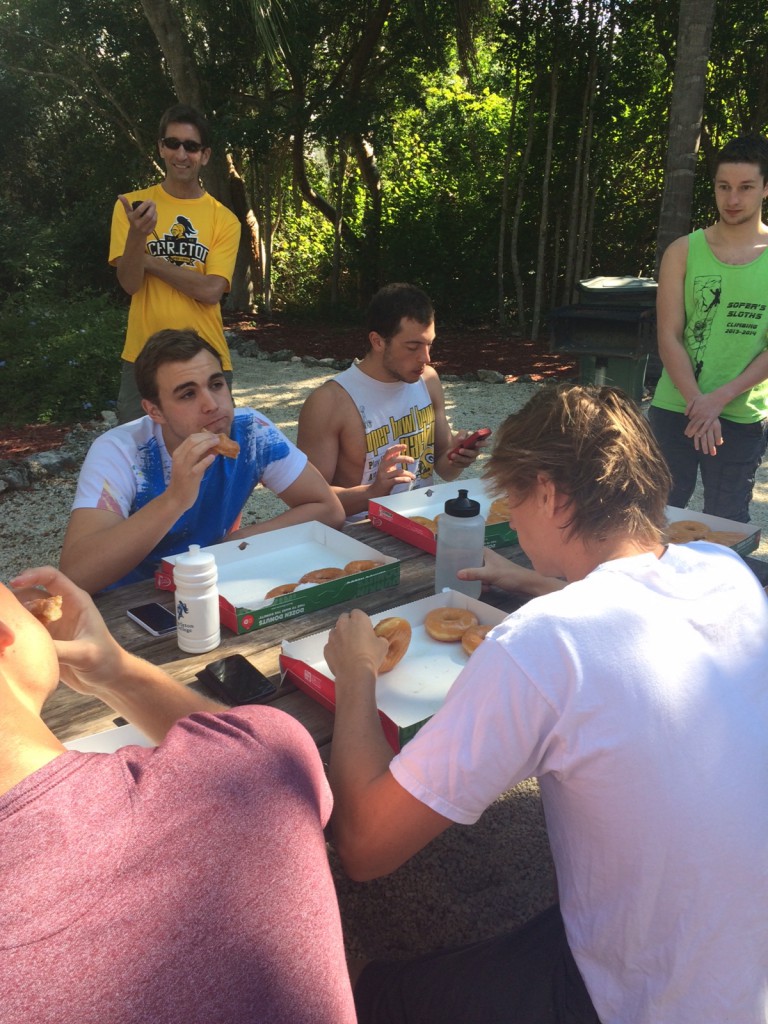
(462, 507)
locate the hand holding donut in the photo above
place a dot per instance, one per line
(353, 649)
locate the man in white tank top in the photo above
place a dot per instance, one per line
(380, 426)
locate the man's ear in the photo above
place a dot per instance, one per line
(547, 494)
(376, 341)
(206, 156)
(153, 411)
(7, 636)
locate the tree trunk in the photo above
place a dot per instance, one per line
(341, 170)
(686, 109)
(501, 293)
(514, 256)
(542, 242)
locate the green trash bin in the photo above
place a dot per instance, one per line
(617, 371)
(611, 331)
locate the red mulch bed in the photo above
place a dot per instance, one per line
(457, 350)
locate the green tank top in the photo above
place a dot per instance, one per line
(726, 327)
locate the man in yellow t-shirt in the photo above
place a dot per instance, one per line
(174, 248)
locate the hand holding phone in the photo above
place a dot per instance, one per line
(472, 441)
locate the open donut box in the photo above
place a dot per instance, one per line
(415, 688)
(750, 533)
(249, 568)
(392, 514)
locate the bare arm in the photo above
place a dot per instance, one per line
(100, 546)
(205, 288)
(377, 825)
(670, 310)
(322, 421)
(498, 571)
(704, 410)
(447, 468)
(130, 266)
(309, 498)
(92, 662)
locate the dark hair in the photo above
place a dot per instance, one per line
(599, 451)
(168, 346)
(393, 302)
(746, 149)
(180, 113)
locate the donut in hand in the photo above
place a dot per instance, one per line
(397, 633)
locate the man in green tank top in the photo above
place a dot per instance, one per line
(710, 410)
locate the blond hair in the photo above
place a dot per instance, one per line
(599, 451)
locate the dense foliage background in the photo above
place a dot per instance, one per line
(492, 151)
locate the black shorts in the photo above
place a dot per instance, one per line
(526, 977)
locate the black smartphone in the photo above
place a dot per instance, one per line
(137, 203)
(472, 440)
(235, 681)
(155, 618)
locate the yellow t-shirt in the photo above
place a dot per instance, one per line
(198, 234)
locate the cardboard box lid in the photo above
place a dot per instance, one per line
(251, 567)
(430, 501)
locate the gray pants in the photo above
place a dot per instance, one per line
(129, 400)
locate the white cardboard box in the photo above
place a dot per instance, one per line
(392, 514)
(248, 569)
(415, 688)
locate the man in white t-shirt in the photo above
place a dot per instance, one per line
(636, 695)
(152, 487)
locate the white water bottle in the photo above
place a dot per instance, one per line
(197, 601)
(460, 542)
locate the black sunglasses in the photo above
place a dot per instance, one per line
(189, 144)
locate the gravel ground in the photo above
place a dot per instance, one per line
(34, 521)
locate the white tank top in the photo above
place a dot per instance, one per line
(396, 413)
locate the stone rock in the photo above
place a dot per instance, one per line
(15, 475)
(310, 360)
(490, 376)
(282, 356)
(49, 463)
(109, 416)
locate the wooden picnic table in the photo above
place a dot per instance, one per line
(71, 715)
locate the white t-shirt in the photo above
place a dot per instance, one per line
(639, 698)
(129, 466)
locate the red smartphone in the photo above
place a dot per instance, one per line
(472, 440)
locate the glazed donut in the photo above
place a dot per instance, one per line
(473, 637)
(226, 446)
(322, 575)
(499, 512)
(397, 632)
(448, 625)
(362, 565)
(685, 530)
(45, 607)
(284, 588)
(430, 524)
